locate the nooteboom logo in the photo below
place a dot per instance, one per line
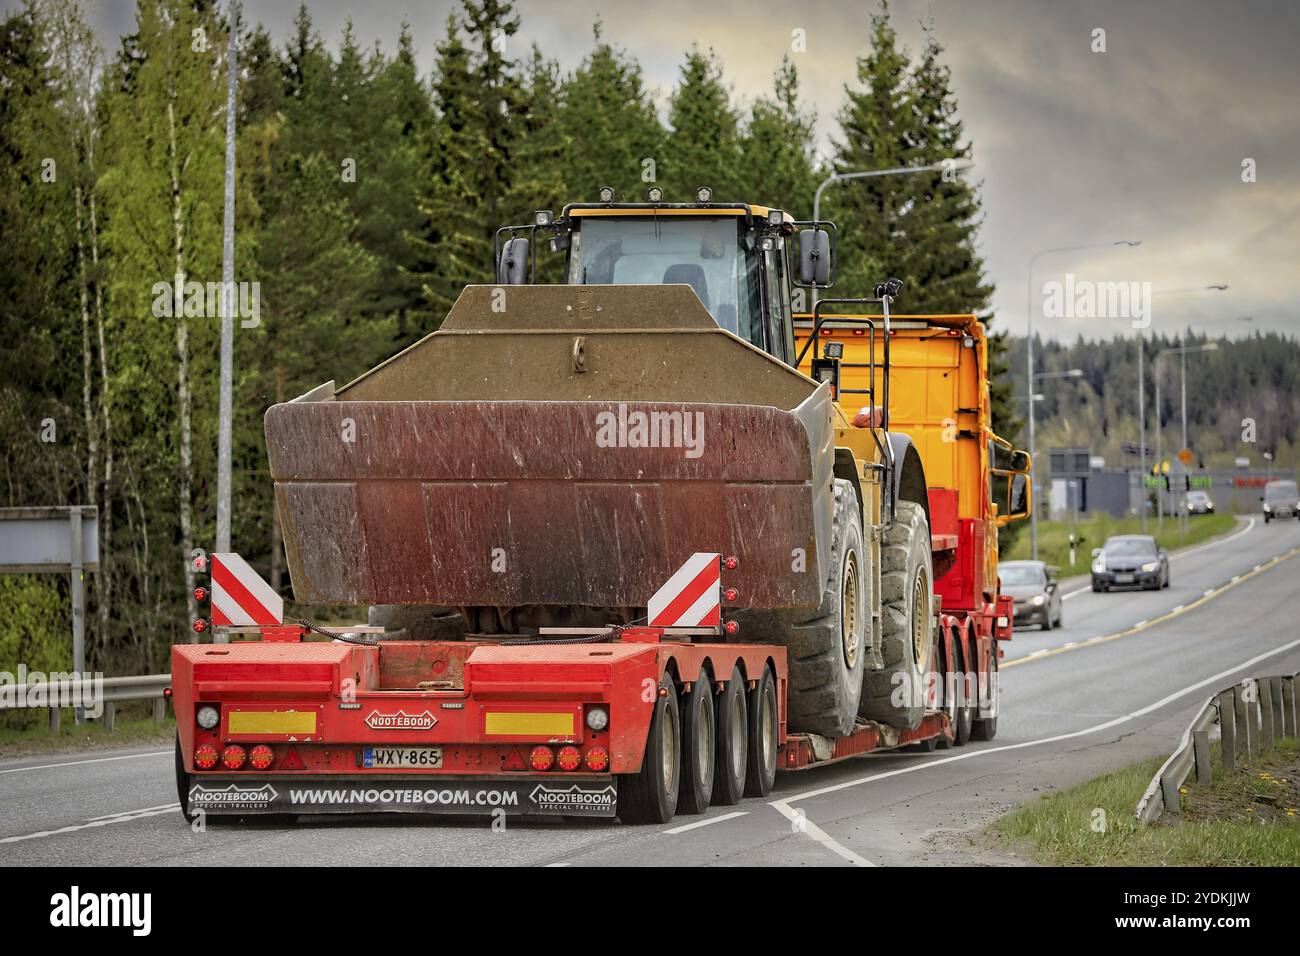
(652, 429)
(233, 797)
(401, 720)
(573, 798)
(76, 909)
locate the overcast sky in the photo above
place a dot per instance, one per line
(1072, 147)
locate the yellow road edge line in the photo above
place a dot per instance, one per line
(1147, 625)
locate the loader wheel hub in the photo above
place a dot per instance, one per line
(849, 615)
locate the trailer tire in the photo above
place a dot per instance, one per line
(828, 650)
(699, 746)
(731, 760)
(964, 693)
(183, 782)
(650, 794)
(764, 732)
(895, 695)
(986, 728)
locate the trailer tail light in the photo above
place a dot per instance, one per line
(260, 757)
(232, 758)
(205, 756)
(569, 758)
(597, 759)
(541, 758)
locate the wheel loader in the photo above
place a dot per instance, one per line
(553, 453)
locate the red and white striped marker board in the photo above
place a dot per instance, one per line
(692, 597)
(239, 595)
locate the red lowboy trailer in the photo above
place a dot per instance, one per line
(591, 724)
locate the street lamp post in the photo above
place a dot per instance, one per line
(1029, 359)
(940, 167)
(1181, 352)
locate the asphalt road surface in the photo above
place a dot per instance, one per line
(1118, 683)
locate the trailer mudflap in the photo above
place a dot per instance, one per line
(244, 794)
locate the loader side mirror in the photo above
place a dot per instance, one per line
(1014, 505)
(814, 257)
(512, 267)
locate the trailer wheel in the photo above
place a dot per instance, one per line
(764, 732)
(183, 784)
(732, 755)
(699, 743)
(650, 794)
(964, 694)
(986, 728)
(941, 693)
(895, 695)
(828, 650)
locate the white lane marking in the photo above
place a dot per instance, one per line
(801, 824)
(1181, 606)
(127, 813)
(704, 823)
(1096, 728)
(92, 824)
(78, 763)
(1209, 592)
(1250, 523)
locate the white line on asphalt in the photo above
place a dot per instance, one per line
(127, 813)
(77, 763)
(1250, 523)
(1209, 592)
(801, 824)
(704, 823)
(1181, 606)
(784, 807)
(92, 824)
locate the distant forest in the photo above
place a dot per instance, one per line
(1243, 388)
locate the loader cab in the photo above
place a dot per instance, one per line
(736, 257)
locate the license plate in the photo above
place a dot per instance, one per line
(427, 757)
(1123, 579)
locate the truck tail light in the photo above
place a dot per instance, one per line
(569, 758)
(597, 759)
(205, 756)
(232, 758)
(541, 758)
(260, 757)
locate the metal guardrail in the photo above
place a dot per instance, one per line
(107, 690)
(1251, 717)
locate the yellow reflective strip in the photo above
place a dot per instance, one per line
(272, 722)
(519, 725)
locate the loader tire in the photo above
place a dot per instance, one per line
(895, 694)
(416, 622)
(827, 650)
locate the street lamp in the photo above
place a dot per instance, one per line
(1029, 356)
(940, 167)
(1182, 353)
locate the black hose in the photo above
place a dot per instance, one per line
(337, 635)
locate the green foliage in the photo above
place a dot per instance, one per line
(777, 149)
(703, 148)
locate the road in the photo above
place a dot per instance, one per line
(1118, 683)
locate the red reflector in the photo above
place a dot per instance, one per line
(260, 757)
(200, 594)
(731, 594)
(731, 627)
(205, 756)
(514, 761)
(292, 761)
(232, 758)
(731, 564)
(200, 626)
(570, 757)
(597, 759)
(541, 758)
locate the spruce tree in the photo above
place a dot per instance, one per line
(703, 147)
(777, 150)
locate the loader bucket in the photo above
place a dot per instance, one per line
(571, 449)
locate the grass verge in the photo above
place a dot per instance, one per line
(1054, 542)
(131, 731)
(1251, 818)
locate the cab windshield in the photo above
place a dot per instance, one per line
(705, 254)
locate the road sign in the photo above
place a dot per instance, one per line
(1185, 456)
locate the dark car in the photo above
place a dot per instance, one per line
(1130, 560)
(1033, 586)
(1281, 500)
(1199, 503)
